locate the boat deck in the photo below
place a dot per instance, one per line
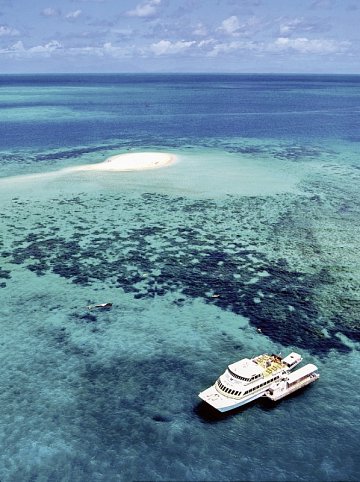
(279, 394)
(270, 364)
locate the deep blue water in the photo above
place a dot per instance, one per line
(191, 106)
(261, 209)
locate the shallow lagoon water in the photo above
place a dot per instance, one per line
(268, 223)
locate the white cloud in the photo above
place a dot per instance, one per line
(145, 9)
(115, 51)
(321, 4)
(6, 31)
(54, 47)
(47, 48)
(206, 43)
(51, 12)
(73, 15)
(18, 49)
(230, 26)
(233, 28)
(200, 30)
(309, 46)
(164, 47)
(289, 26)
(105, 50)
(301, 26)
(300, 45)
(229, 47)
(208, 47)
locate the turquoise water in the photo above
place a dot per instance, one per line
(261, 208)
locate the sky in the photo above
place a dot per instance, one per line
(245, 36)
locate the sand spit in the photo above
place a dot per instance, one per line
(138, 161)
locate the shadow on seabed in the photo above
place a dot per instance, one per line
(208, 414)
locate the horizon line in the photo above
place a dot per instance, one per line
(180, 73)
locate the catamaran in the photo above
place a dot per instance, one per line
(264, 375)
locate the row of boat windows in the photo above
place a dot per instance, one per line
(228, 390)
(262, 384)
(255, 377)
(238, 394)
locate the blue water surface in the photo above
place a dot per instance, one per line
(247, 244)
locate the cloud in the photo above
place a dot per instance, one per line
(230, 26)
(165, 47)
(296, 25)
(115, 51)
(200, 30)
(322, 4)
(6, 31)
(47, 48)
(229, 47)
(18, 46)
(50, 12)
(105, 50)
(233, 28)
(301, 45)
(145, 9)
(206, 44)
(309, 46)
(290, 26)
(18, 50)
(73, 15)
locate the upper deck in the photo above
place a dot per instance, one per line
(259, 367)
(270, 364)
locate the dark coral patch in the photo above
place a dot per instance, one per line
(192, 252)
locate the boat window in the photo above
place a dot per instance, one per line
(238, 376)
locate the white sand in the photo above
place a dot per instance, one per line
(131, 162)
(122, 162)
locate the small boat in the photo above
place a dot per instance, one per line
(294, 381)
(101, 305)
(264, 375)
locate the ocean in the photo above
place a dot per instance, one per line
(248, 244)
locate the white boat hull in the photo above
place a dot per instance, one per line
(224, 404)
(283, 391)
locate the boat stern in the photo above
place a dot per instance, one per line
(218, 401)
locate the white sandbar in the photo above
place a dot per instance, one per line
(132, 162)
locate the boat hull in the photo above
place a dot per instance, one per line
(224, 404)
(278, 394)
